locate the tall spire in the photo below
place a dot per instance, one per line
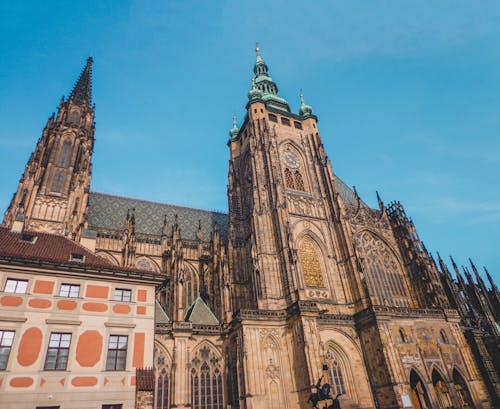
(82, 91)
(265, 84)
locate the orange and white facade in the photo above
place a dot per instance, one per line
(71, 333)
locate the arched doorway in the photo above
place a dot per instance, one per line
(441, 389)
(463, 394)
(418, 392)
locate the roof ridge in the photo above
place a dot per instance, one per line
(160, 203)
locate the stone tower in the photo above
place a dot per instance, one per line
(289, 253)
(53, 191)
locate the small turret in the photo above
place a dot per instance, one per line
(305, 110)
(233, 133)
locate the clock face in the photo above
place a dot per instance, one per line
(291, 159)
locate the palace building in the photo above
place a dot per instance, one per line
(118, 303)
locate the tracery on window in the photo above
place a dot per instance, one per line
(384, 277)
(310, 262)
(65, 155)
(206, 380)
(299, 182)
(289, 182)
(339, 373)
(162, 367)
(293, 170)
(58, 181)
(145, 264)
(190, 287)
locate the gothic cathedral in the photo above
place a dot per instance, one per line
(300, 284)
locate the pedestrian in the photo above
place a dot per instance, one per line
(336, 402)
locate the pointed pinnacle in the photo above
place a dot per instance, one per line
(82, 91)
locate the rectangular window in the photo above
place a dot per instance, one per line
(58, 351)
(113, 406)
(6, 339)
(273, 118)
(285, 121)
(16, 286)
(297, 125)
(69, 290)
(117, 353)
(122, 294)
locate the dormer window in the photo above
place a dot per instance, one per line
(77, 257)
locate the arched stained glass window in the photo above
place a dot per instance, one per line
(310, 262)
(206, 380)
(299, 182)
(65, 155)
(190, 287)
(162, 380)
(58, 181)
(384, 277)
(289, 182)
(339, 374)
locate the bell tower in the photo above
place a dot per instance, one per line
(53, 191)
(286, 233)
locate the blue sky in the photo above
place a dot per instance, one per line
(407, 94)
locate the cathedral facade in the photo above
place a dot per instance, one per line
(301, 281)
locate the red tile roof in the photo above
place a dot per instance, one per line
(51, 248)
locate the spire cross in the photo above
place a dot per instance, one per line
(301, 96)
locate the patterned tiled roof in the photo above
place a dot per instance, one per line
(346, 192)
(109, 212)
(45, 247)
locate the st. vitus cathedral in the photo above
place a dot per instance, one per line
(300, 281)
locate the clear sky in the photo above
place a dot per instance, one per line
(407, 94)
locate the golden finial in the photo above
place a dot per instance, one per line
(257, 49)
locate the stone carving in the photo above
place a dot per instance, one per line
(305, 206)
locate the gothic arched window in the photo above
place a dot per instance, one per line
(293, 171)
(384, 276)
(402, 335)
(162, 380)
(58, 181)
(299, 182)
(74, 117)
(289, 182)
(65, 155)
(339, 373)
(206, 380)
(311, 264)
(190, 287)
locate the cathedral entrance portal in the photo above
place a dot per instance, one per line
(441, 389)
(463, 393)
(418, 392)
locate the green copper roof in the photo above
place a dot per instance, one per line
(265, 84)
(233, 133)
(200, 313)
(305, 110)
(161, 316)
